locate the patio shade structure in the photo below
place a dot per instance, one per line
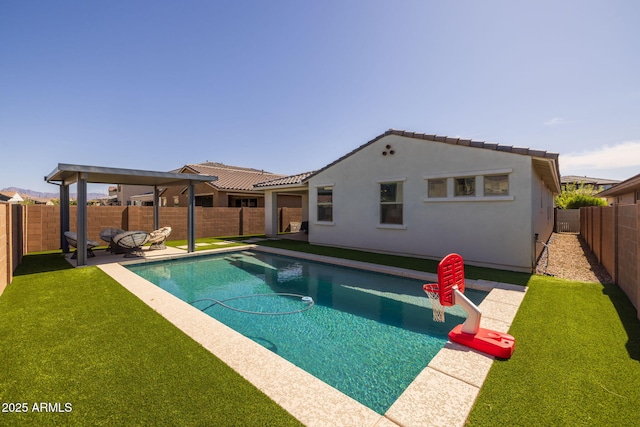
(66, 174)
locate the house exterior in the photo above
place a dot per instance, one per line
(234, 188)
(130, 195)
(625, 193)
(15, 197)
(427, 196)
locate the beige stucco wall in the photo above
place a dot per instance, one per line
(623, 199)
(495, 232)
(541, 213)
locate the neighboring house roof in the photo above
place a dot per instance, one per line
(290, 180)
(575, 179)
(232, 177)
(627, 186)
(16, 198)
(545, 162)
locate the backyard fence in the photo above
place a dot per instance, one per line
(35, 228)
(11, 241)
(567, 221)
(613, 234)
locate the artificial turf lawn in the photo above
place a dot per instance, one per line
(210, 242)
(76, 336)
(576, 363)
(577, 355)
(418, 264)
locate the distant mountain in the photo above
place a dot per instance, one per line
(42, 195)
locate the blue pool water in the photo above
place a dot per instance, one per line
(367, 334)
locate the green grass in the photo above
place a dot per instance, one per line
(77, 336)
(210, 242)
(576, 362)
(418, 264)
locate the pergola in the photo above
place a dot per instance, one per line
(65, 174)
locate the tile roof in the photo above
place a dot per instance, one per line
(626, 186)
(587, 180)
(287, 180)
(232, 177)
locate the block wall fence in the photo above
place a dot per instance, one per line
(613, 234)
(11, 241)
(34, 228)
(6, 273)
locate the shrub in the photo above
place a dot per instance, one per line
(582, 200)
(578, 196)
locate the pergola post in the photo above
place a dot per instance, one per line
(64, 216)
(191, 232)
(156, 207)
(81, 245)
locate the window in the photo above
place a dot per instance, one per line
(391, 203)
(493, 186)
(465, 186)
(496, 185)
(204, 201)
(437, 187)
(241, 202)
(325, 204)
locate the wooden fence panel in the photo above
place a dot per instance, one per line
(618, 237)
(608, 243)
(628, 252)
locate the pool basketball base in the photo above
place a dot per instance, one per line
(450, 288)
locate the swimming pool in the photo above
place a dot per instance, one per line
(368, 334)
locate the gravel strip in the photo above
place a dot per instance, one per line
(570, 258)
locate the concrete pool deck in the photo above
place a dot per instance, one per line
(443, 394)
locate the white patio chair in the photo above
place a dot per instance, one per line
(158, 237)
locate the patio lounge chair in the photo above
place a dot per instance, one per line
(72, 240)
(158, 237)
(107, 234)
(131, 242)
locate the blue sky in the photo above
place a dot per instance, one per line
(290, 86)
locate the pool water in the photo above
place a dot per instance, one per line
(366, 334)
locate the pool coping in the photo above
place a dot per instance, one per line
(443, 394)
